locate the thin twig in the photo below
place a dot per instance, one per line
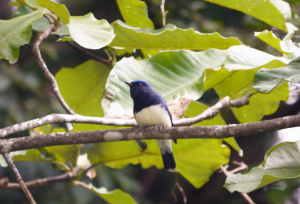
(177, 184)
(11, 164)
(38, 183)
(163, 12)
(65, 118)
(241, 167)
(93, 56)
(42, 65)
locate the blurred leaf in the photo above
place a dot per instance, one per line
(59, 9)
(42, 23)
(89, 32)
(24, 155)
(267, 79)
(14, 33)
(272, 12)
(135, 13)
(173, 74)
(196, 108)
(113, 197)
(167, 38)
(31, 3)
(281, 162)
(82, 88)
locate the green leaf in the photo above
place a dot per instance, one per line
(135, 13)
(168, 38)
(113, 197)
(14, 33)
(82, 88)
(281, 162)
(283, 156)
(272, 12)
(197, 170)
(267, 79)
(173, 74)
(240, 66)
(257, 178)
(285, 46)
(196, 108)
(89, 32)
(59, 9)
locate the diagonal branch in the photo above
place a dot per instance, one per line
(211, 132)
(65, 118)
(11, 164)
(42, 65)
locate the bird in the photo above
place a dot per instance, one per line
(150, 109)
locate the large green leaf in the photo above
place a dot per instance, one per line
(59, 9)
(89, 32)
(196, 169)
(168, 38)
(135, 13)
(113, 197)
(237, 77)
(14, 33)
(281, 162)
(82, 88)
(267, 79)
(272, 12)
(173, 74)
(196, 108)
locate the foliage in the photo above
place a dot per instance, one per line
(177, 63)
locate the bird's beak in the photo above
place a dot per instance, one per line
(128, 83)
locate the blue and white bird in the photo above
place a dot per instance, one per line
(150, 109)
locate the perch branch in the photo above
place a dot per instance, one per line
(42, 65)
(65, 118)
(11, 164)
(211, 132)
(242, 166)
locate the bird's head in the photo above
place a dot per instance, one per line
(137, 84)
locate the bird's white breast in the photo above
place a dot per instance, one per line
(153, 115)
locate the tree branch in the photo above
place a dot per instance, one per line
(65, 118)
(163, 12)
(11, 164)
(38, 183)
(42, 65)
(211, 132)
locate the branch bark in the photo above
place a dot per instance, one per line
(42, 65)
(11, 164)
(211, 132)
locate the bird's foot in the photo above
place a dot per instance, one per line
(160, 127)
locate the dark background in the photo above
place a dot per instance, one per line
(25, 95)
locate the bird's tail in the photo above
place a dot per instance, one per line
(165, 147)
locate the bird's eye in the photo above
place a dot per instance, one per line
(140, 84)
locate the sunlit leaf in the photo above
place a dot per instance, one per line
(89, 32)
(272, 12)
(167, 38)
(59, 9)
